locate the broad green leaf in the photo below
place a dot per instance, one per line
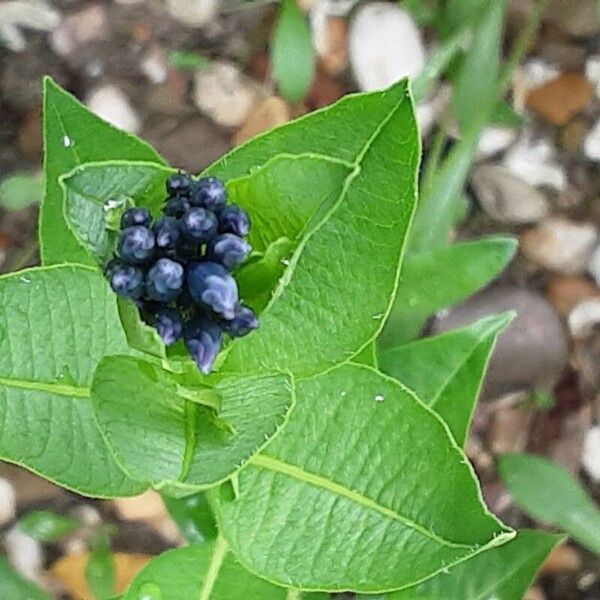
(15, 587)
(21, 190)
(345, 492)
(503, 573)
(206, 571)
(55, 325)
(530, 478)
(446, 371)
(187, 60)
(73, 136)
(140, 336)
(93, 192)
(176, 441)
(193, 516)
(47, 526)
(505, 115)
(337, 290)
(292, 52)
(440, 278)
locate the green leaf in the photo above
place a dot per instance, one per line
(292, 52)
(73, 136)
(100, 570)
(529, 479)
(95, 191)
(503, 573)
(140, 336)
(505, 115)
(47, 526)
(362, 515)
(446, 371)
(207, 571)
(193, 516)
(186, 60)
(438, 279)
(15, 587)
(175, 441)
(337, 291)
(55, 325)
(21, 190)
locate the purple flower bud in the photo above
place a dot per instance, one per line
(166, 232)
(179, 184)
(135, 216)
(176, 207)
(233, 219)
(209, 192)
(199, 224)
(164, 280)
(136, 244)
(243, 322)
(169, 325)
(228, 250)
(203, 341)
(125, 280)
(212, 287)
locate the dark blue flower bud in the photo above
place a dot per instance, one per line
(233, 219)
(164, 280)
(203, 341)
(135, 216)
(125, 280)
(212, 287)
(136, 244)
(228, 250)
(179, 184)
(169, 325)
(209, 192)
(243, 322)
(176, 207)
(166, 232)
(199, 224)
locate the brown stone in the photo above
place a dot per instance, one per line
(335, 57)
(535, 593)
(563, 559)
(70, 571)
(267, 114)
(145, 507)
(510, 429)
(559, 100)
(565, 292)
(571, 136)
(325, 90)
(29, 138)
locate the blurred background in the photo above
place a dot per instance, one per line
(198, 77)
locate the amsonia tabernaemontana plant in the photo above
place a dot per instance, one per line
(317, 463)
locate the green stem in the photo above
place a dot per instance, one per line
(216, 561)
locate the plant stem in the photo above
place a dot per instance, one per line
(216, 562)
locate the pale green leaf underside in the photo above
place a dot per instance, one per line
(503, 573)
(337, 290)
(89, 188)
(529, 478)
(73, 136)
(174, 441)
(392, 505)
(187, 572)
(446, 371)
(55, 325)
(439, 279)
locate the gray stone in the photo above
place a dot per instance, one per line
(507, 198)
(532, 351)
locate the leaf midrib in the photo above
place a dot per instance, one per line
(270, 463)
(58, 389)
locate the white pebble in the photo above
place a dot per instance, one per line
(534, 162)
(8, 501)
(537, 72)
(111, 104)
(584, 318)
(384, 45)
(193, 13)
(594, 266)
(592, 72)
(494, 140)
(591, 143)
(590, 454)
(24, 553)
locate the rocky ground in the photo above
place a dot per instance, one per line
(539, 182)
